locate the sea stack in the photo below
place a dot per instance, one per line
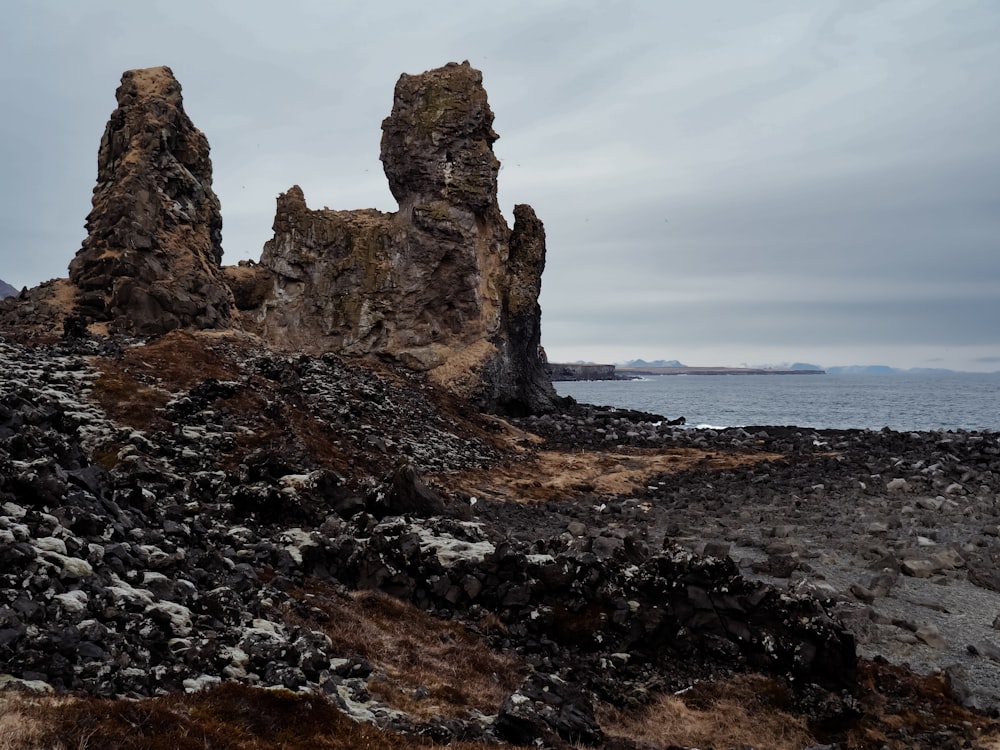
(151, 260)
(443, 285)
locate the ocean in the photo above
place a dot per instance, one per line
(899, 402)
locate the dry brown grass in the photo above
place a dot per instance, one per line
(742, 711)
(21, 727)
(558, 475)
(898, 704)
(290, 425)
(228, 717)
(133, 388)
(128, 401)
(179, 360)
(455, 670)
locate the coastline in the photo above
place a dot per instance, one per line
(644, 371)
(569, 371)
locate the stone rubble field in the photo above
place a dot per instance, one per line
(165, 532)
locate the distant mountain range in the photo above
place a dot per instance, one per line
(805, 366)
(654, 363)
(678, 363)
(6, 290)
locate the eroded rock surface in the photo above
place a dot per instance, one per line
(443, 285)
(151, 259)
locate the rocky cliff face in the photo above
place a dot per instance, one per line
(151, 259)
(443, 285)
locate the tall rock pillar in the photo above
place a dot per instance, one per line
(442, 285)
(151, 259)
(437, 151)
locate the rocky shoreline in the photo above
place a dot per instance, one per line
(185, 544)
(898, 530)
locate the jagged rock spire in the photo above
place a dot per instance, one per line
(151, 259)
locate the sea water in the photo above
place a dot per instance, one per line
(899, 402)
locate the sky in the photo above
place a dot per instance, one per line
(728, 182)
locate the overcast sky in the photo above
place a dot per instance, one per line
(724, 183)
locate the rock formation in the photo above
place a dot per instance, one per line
(151, 259)
(443, 285)
(6, 290)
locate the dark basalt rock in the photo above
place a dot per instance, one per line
(443, 285)
(135, 559)
(151, 259)
(154, 565)
(551, 710)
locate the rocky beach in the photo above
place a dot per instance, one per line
(331, 500)
(176, 541)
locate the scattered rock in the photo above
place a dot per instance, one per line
(918, 568)
(862, 593)
(931, 635)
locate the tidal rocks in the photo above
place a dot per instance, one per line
(443, 285)
(151, 259)
(863, 519)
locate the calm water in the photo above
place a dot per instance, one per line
(900, 402)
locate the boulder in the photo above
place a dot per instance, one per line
(548, 710)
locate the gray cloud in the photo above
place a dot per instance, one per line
(800, 180)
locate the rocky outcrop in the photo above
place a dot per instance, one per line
(443, 285)
(40, 313)
(151, 259)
